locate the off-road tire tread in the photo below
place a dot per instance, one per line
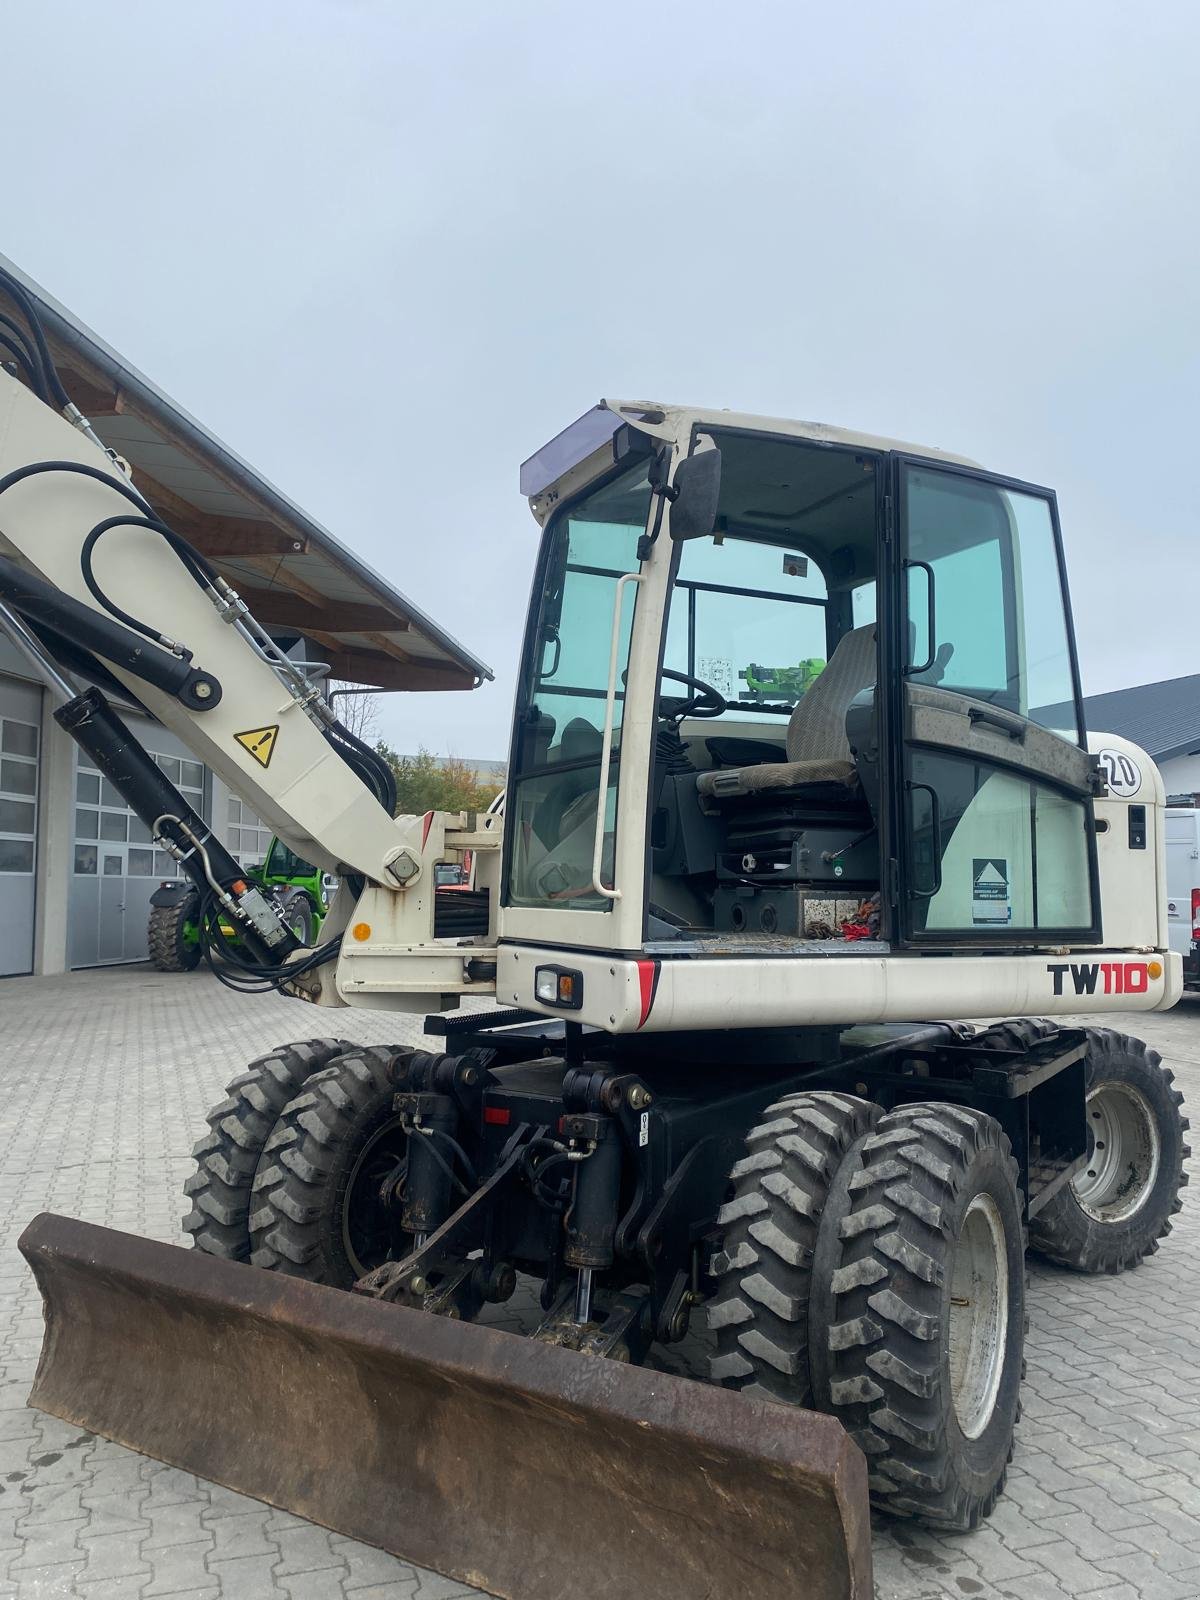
(1050, 1231)
(239, 1126)
(291, 1187)
(163, 937)
(760, 1312)
(885, 1341)
(286, 898)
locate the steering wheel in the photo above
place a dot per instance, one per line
(706, 702)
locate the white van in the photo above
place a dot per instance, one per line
(1183, 888)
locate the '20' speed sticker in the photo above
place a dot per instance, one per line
(1121, 773)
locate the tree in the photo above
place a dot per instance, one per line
(426, 782)
(356, 709)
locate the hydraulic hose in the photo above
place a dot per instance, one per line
(366, 764)
(18, 333)
(198, 569)
(195, 563)
(16, 292)
(24, 364)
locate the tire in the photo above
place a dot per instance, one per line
(762, 1310)
(315, 1212)
(924, 1359)
(168, 949)
(1020, 1033)
(297, 913)
(1112, 1215)
(227, 1157)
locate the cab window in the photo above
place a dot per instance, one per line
(749, 618)
(983, 568)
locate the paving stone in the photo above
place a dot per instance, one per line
(116, 1513)
(48, 1582)
(124, 1588)
(1151, 1581)
(1182, 1525)
(432, 1586)
(49, 1546)
(51, 1502)
(993, 1558)
(1164, 1551)
(1090, 1536)
(305, 1548)
(240, 1534)
(1104, 1508)
(171, 1487)
(368, 1566)
(245, 1578)
(1037, 1586)
(181, 1569)
(1068, 1567)
(112, 1555)
(179, 1523)
(324, 1584)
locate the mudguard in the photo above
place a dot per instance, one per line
(172, 894)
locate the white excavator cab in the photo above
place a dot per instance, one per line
(797, 708)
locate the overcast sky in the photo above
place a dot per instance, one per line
(386, 250)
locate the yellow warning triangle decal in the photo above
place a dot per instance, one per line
(260, 742)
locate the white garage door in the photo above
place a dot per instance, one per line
(116, 867)
(245, 834)
(20, 718)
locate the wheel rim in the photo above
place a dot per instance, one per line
(296, 917)
(978, 1315)
(366, 1232)
(1123, 1154)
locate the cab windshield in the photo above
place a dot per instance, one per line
(551, 812)
(285, 863)
(757, 610)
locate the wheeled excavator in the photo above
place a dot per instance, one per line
(700, 1076)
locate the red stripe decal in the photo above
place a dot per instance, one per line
(648, 972)
(426, 828)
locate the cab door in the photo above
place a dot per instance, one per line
(575, 820)
(997, 833)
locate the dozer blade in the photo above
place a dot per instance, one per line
(530, 1471)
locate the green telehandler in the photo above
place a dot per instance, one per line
(302, 891)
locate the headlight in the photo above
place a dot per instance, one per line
(558, 986)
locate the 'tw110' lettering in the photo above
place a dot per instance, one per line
(1100, 977)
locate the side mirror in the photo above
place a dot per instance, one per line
(696, 491)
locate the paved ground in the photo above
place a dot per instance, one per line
(104, 1082)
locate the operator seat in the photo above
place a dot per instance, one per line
(817, 748)
(578, 750)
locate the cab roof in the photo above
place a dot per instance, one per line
(565, 462)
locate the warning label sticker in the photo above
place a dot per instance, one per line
(989, 891)
(717, 670)
(260, 743)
